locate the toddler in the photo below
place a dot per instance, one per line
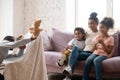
(78, 41)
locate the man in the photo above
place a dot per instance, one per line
(9, 43)
(19, 52)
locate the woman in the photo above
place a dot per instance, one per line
(103, 48)
(78, 54)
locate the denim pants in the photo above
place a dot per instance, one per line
(75, 55)
(96, 60)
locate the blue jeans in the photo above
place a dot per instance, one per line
(77, 54)
(96, 60)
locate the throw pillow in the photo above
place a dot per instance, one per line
(60, 39)
(46, 41)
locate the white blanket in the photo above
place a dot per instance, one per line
(31, 67)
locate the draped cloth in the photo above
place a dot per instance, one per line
(31, 67)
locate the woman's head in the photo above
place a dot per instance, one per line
(106, 24)
(79, 33)
(93, 22)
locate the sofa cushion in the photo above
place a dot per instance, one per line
(51, 57)
(46, 41)
(60, 39)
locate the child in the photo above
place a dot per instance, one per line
(78, 41)
(103, 49)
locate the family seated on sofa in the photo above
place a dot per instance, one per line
(100, 46)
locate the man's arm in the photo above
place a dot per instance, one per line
(18, 43)
(18, 53)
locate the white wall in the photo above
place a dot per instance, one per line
(51, 12)
(70, 15)
(18, 17)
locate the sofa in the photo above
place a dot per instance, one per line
(58, 40)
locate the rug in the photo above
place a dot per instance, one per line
(56, 76)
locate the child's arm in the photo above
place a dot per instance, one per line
(111, 54)
(68, 47)
(94, 47)
(108, 48)
(67, 50)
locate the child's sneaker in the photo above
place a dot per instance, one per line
(61, 61)
(67, 78)
(67, 70)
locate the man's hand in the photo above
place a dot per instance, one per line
(19, 37)
(22, 47)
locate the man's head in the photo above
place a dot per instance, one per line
(9, 38)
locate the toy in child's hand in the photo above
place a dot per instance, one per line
(64, 58)
(36, 30)
(66, 52)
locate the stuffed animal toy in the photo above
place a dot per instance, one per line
(36, 29)
(67, 53)
(64, 58)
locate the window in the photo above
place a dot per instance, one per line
(6, 16)
(80, 10)
(116, 13)
(85, 7)
(70, 15)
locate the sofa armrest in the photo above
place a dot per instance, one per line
(111, 65)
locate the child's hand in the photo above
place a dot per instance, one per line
(70, 47)
(101, 42)
(66, 52)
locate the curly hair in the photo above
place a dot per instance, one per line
(108, 22)
(81, 30)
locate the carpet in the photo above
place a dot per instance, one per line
(56, 76)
